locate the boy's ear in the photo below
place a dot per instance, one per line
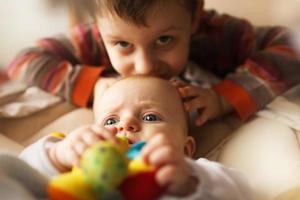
(197, 15)
(190, 146)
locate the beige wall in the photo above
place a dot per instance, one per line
(261, 12)
(22, 21)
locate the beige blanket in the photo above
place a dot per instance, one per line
(285, 109)
(18, 100)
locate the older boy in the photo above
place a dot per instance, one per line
(157, 38)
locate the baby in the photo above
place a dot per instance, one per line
(149, 109)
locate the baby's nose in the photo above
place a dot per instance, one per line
(129, 127)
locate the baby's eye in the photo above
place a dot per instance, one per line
(163, 40)
(151, 118)
(124, 44)
(111, 121)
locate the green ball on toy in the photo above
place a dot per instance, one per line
(105, 167)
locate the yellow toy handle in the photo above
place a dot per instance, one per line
(58, 135)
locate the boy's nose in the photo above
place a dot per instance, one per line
(145, 64)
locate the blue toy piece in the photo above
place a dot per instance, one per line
(135, 150)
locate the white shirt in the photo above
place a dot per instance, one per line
(215, 181)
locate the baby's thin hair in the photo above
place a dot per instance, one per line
(136, 10)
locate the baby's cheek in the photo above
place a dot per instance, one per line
(146, 135)
(112, 129)
(177, 140)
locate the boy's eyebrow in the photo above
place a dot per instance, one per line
(113, 37)
(170, 28)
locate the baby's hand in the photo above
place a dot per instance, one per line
(172, 169)
(207, 102)
(68, 152)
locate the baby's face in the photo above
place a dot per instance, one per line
(141, 107)
(159, 49)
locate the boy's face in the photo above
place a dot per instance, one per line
(160, 48)
(139, 108)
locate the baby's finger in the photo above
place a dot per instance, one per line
(163, 156)
(104, 134)
(79, 148)
(77, 134)
(90, 137)
(154, 143)
(72, 158)
(165, 175)
(76, 163)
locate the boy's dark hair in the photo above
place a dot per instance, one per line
(136, 10)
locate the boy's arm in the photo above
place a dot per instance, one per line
(68, 67)
(258, 64)
(216, 182)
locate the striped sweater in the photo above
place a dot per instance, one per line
(255, 64)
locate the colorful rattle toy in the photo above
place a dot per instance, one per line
(108, 171)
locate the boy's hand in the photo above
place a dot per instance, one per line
(172, 169)
(207, 102)
(68, 152)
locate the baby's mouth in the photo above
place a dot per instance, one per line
(132, 140)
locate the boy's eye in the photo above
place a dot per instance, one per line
(111, 121)
(163, 40)
(151, 118)
(123, 44)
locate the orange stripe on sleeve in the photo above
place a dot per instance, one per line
(284, 51)
(85, 84)
(238, 97)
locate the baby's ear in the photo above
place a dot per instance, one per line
(189, 146)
